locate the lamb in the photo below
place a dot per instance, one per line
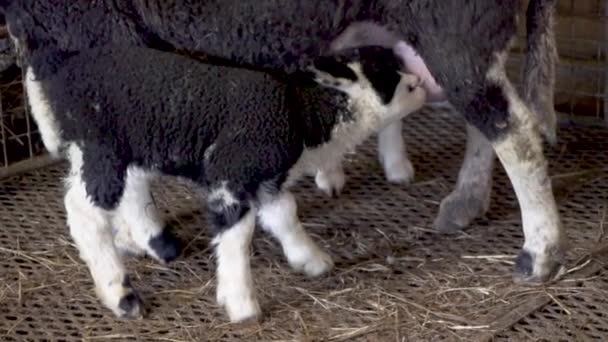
(243, 136)
(462, 43)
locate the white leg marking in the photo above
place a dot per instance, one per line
(279, 217)
(331, 179)
(138, 213)
(43, 115)
(123, 240)
(522, 156)
(235, 289)
(393, 154)
(90, 229)
(532, 185)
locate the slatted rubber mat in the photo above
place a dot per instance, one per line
(396, 279)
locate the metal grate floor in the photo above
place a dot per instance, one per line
(395, 278)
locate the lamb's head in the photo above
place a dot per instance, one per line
(374, 75)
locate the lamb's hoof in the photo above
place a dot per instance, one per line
(458, 210)
(121, 298)
(240, 307)
(317, 264)
(131, 306)
(331, 182)
(399, 171)
(166, 247)
(532, 270)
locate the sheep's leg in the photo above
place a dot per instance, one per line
(511, 128)
(233, 218)
(471, 197)
(90, 228)
(278, 215)
(331, 179)
(393, 154)
(137, 223)
(520, 152)
(539, 65)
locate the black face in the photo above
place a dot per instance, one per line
(379, 64)
(336, 67)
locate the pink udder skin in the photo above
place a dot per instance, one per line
(415, 65)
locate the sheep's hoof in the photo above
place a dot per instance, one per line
(131, 306)
(400, 171)
(330, 182)
(316, 265)
(458, 210)
(121, 298)
(240, 308)
(166, 247)
(531, 269)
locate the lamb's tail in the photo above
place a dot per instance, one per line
(540, 64)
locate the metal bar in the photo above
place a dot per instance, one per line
(606, 62)
(28, 165)
(3, 133)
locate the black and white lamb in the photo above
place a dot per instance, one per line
(242, 135)
(462, 43)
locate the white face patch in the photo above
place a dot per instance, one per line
(49, 128)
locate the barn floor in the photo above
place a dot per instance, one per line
(395, 279)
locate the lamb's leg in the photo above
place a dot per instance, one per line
(331, 179)
(393, 154)
(90, 228)
(471, 197)
(278, 215)
(233, 218)
(137, 222)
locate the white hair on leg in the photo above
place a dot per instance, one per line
(90, 229)
(43, 115)
(521, 154)
(393, 154)
(235, 288)
(279, 217)
(330, 178)
(139, 214)
(123, 240)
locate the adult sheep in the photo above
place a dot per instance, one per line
(462, 43)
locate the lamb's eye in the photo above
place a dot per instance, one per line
(411, 88)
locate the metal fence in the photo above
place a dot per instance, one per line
(581, 86)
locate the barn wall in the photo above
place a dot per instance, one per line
(582, 73)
